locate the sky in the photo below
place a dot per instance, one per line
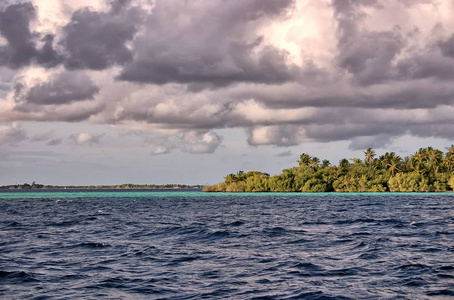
(175, 91)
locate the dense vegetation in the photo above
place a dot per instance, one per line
(428, 170)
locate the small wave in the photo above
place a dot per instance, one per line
(345, 272)
(183, 230)
(414, 282)
(362, 233)
(438, 233)
(118, 282)
(444, 292)
(211, 274)
(275, 231)
(91, 245)
(317, 295)
(360, 220)
(183, 259)
(307, 266)
(65, 223)
(266, 260)
(298, 241)
(17, 277)
(145, 251)
(99, 212)
(219, 234)
(370, 255)
(445, 276)
(360, 245)
(412, 267)
(11, 225)
(263, 281)
(237, 223)
(432, 250)
(442, 272)
(74, 277)
(343, 241)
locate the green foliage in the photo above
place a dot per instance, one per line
(451, 182)
(428, 170)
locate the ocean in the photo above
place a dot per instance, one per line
(193, 245)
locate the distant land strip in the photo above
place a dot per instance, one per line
(34, 186)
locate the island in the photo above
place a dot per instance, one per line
(33, 186)
(427, 170)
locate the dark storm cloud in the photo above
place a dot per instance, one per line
(366, 55)
(91, 40)
(426, 92)
(97, 40)
(14, 27)
(429, 65)
(347, 13)
(47, 56)
(189, 43)
(350, 130)
(439, 130)
(447, 47)
(361, 135)
(66, 96)
(64, 88)
(369, 55)
(21, 48)
(197, 66)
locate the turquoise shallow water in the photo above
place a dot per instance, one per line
(61, 194)
(154, 244)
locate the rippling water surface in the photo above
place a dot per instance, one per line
(193, 245)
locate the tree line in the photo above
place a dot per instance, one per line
(427, 170)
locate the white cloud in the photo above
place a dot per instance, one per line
(86, 138)
(197, 142)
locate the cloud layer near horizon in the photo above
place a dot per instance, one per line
(287, 72)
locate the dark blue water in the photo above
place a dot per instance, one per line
(180, 245)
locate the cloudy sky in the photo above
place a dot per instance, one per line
(175, 91)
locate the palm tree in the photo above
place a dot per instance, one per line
(314, 163)
(419, 161)
(240, 175)
(435, 158)
(391, 161)
(344, 164)
(448, 161)
(393, 165)
(304, 159)
(230, 178)
(408, 163)
(325, 163)
(370, 154)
